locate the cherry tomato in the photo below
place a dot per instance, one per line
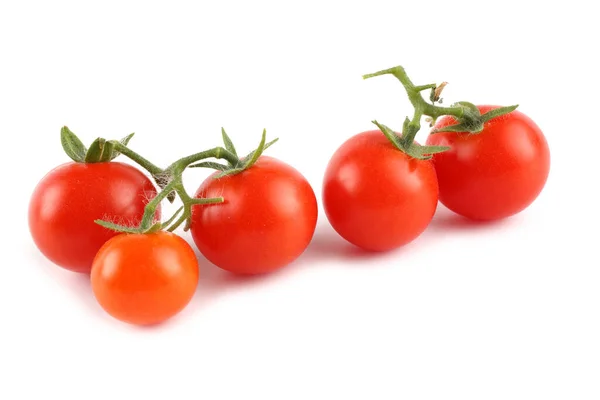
(266, 222)
(377, 197)
(69, 198)
(493, 174)
(144, 279)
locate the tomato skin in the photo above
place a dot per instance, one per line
(69, 198)
(496, 173)
(375, 196)
(145, 279)
(267, 220)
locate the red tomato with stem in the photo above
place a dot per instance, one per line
(145, 279)
(377, 197)
(495, 173)
(267, 220)
(68, 200)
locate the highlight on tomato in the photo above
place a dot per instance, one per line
(493, 173)
(69, 198)
(144, 278)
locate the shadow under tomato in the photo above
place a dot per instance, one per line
(81, 286)
(446, 220)
(325, 248)
(215, 282)
(328, 245)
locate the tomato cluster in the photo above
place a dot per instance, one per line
(256, 214)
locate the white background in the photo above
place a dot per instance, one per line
(501, 311)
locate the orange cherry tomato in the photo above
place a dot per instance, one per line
(144, 279)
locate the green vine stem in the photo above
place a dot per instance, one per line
(170, 181)
(467, 114)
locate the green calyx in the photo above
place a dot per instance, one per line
(411, 148)
(473, 121)
(99, 151)
(170, 181)
(234, 164)
(469, 119)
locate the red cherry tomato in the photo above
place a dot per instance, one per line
(377, 197)
(67, 200)
(493, 174)
(266, 222)
(145, 279)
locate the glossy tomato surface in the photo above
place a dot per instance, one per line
(145, 279)
(377, 197)
(69, 198)
(266, 222)
(493, 174)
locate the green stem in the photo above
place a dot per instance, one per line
(414, 94)
(141, 161)
(188, 203)
(186, 214)
(187, 208)
(171, 182)
(437, 111)
(179, 221)
(413, 127)
(425, 87)
(216, 152)
(179, 165)
(150, 209)
(468, 116)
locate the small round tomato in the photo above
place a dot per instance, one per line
(145, 279)
(495, 173)
(68, 200)
(267, 220)
(377, 197)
